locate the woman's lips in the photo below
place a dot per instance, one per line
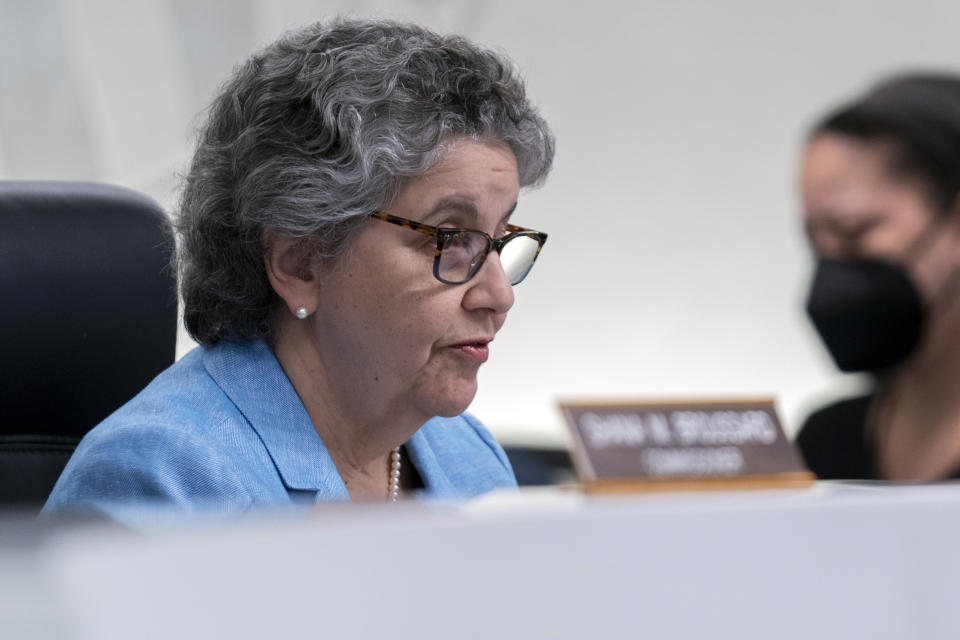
(477, 351)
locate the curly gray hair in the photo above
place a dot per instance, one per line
(318, 130)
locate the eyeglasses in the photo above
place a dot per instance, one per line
(461, 252)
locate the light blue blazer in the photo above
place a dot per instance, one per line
(224, 431)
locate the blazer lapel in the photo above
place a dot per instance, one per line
(254, 381)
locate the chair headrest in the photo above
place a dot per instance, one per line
(88, 307)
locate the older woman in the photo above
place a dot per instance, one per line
(347, 255)
(881, 192)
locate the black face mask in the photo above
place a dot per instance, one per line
(868, 313)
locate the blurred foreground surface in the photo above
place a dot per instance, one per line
(838, 560)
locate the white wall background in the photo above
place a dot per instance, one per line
(675, 266)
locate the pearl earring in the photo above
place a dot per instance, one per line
(301, 312)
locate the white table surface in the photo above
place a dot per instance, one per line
(835, 561)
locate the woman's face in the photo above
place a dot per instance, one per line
(854, 206)
(389, 334)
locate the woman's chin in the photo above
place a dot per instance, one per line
(451, 399)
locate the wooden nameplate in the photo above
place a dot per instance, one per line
(695, 445)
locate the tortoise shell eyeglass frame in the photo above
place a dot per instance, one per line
(443, 234)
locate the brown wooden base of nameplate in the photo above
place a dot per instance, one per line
(793, 480)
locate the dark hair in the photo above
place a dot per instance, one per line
(318, 130)
(919, 113)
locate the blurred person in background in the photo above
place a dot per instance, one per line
(346, 255)
(880, 184)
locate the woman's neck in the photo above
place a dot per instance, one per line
(916, 423)
(358, 433)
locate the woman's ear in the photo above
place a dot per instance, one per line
(290, 270)
(952, 217)
(952, 231)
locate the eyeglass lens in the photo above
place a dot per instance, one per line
(517, 257)
(463, 253)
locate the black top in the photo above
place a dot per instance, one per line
(835, 445)
(833, 441)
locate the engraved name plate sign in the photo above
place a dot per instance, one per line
(682, 444)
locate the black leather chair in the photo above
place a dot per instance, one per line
(88, 316)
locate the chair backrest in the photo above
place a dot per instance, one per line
(88, 316)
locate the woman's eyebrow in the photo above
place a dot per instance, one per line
(464, 206)
(460, 204)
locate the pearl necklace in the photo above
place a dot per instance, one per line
(393, 488)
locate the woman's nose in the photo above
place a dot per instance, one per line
(490, 288)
